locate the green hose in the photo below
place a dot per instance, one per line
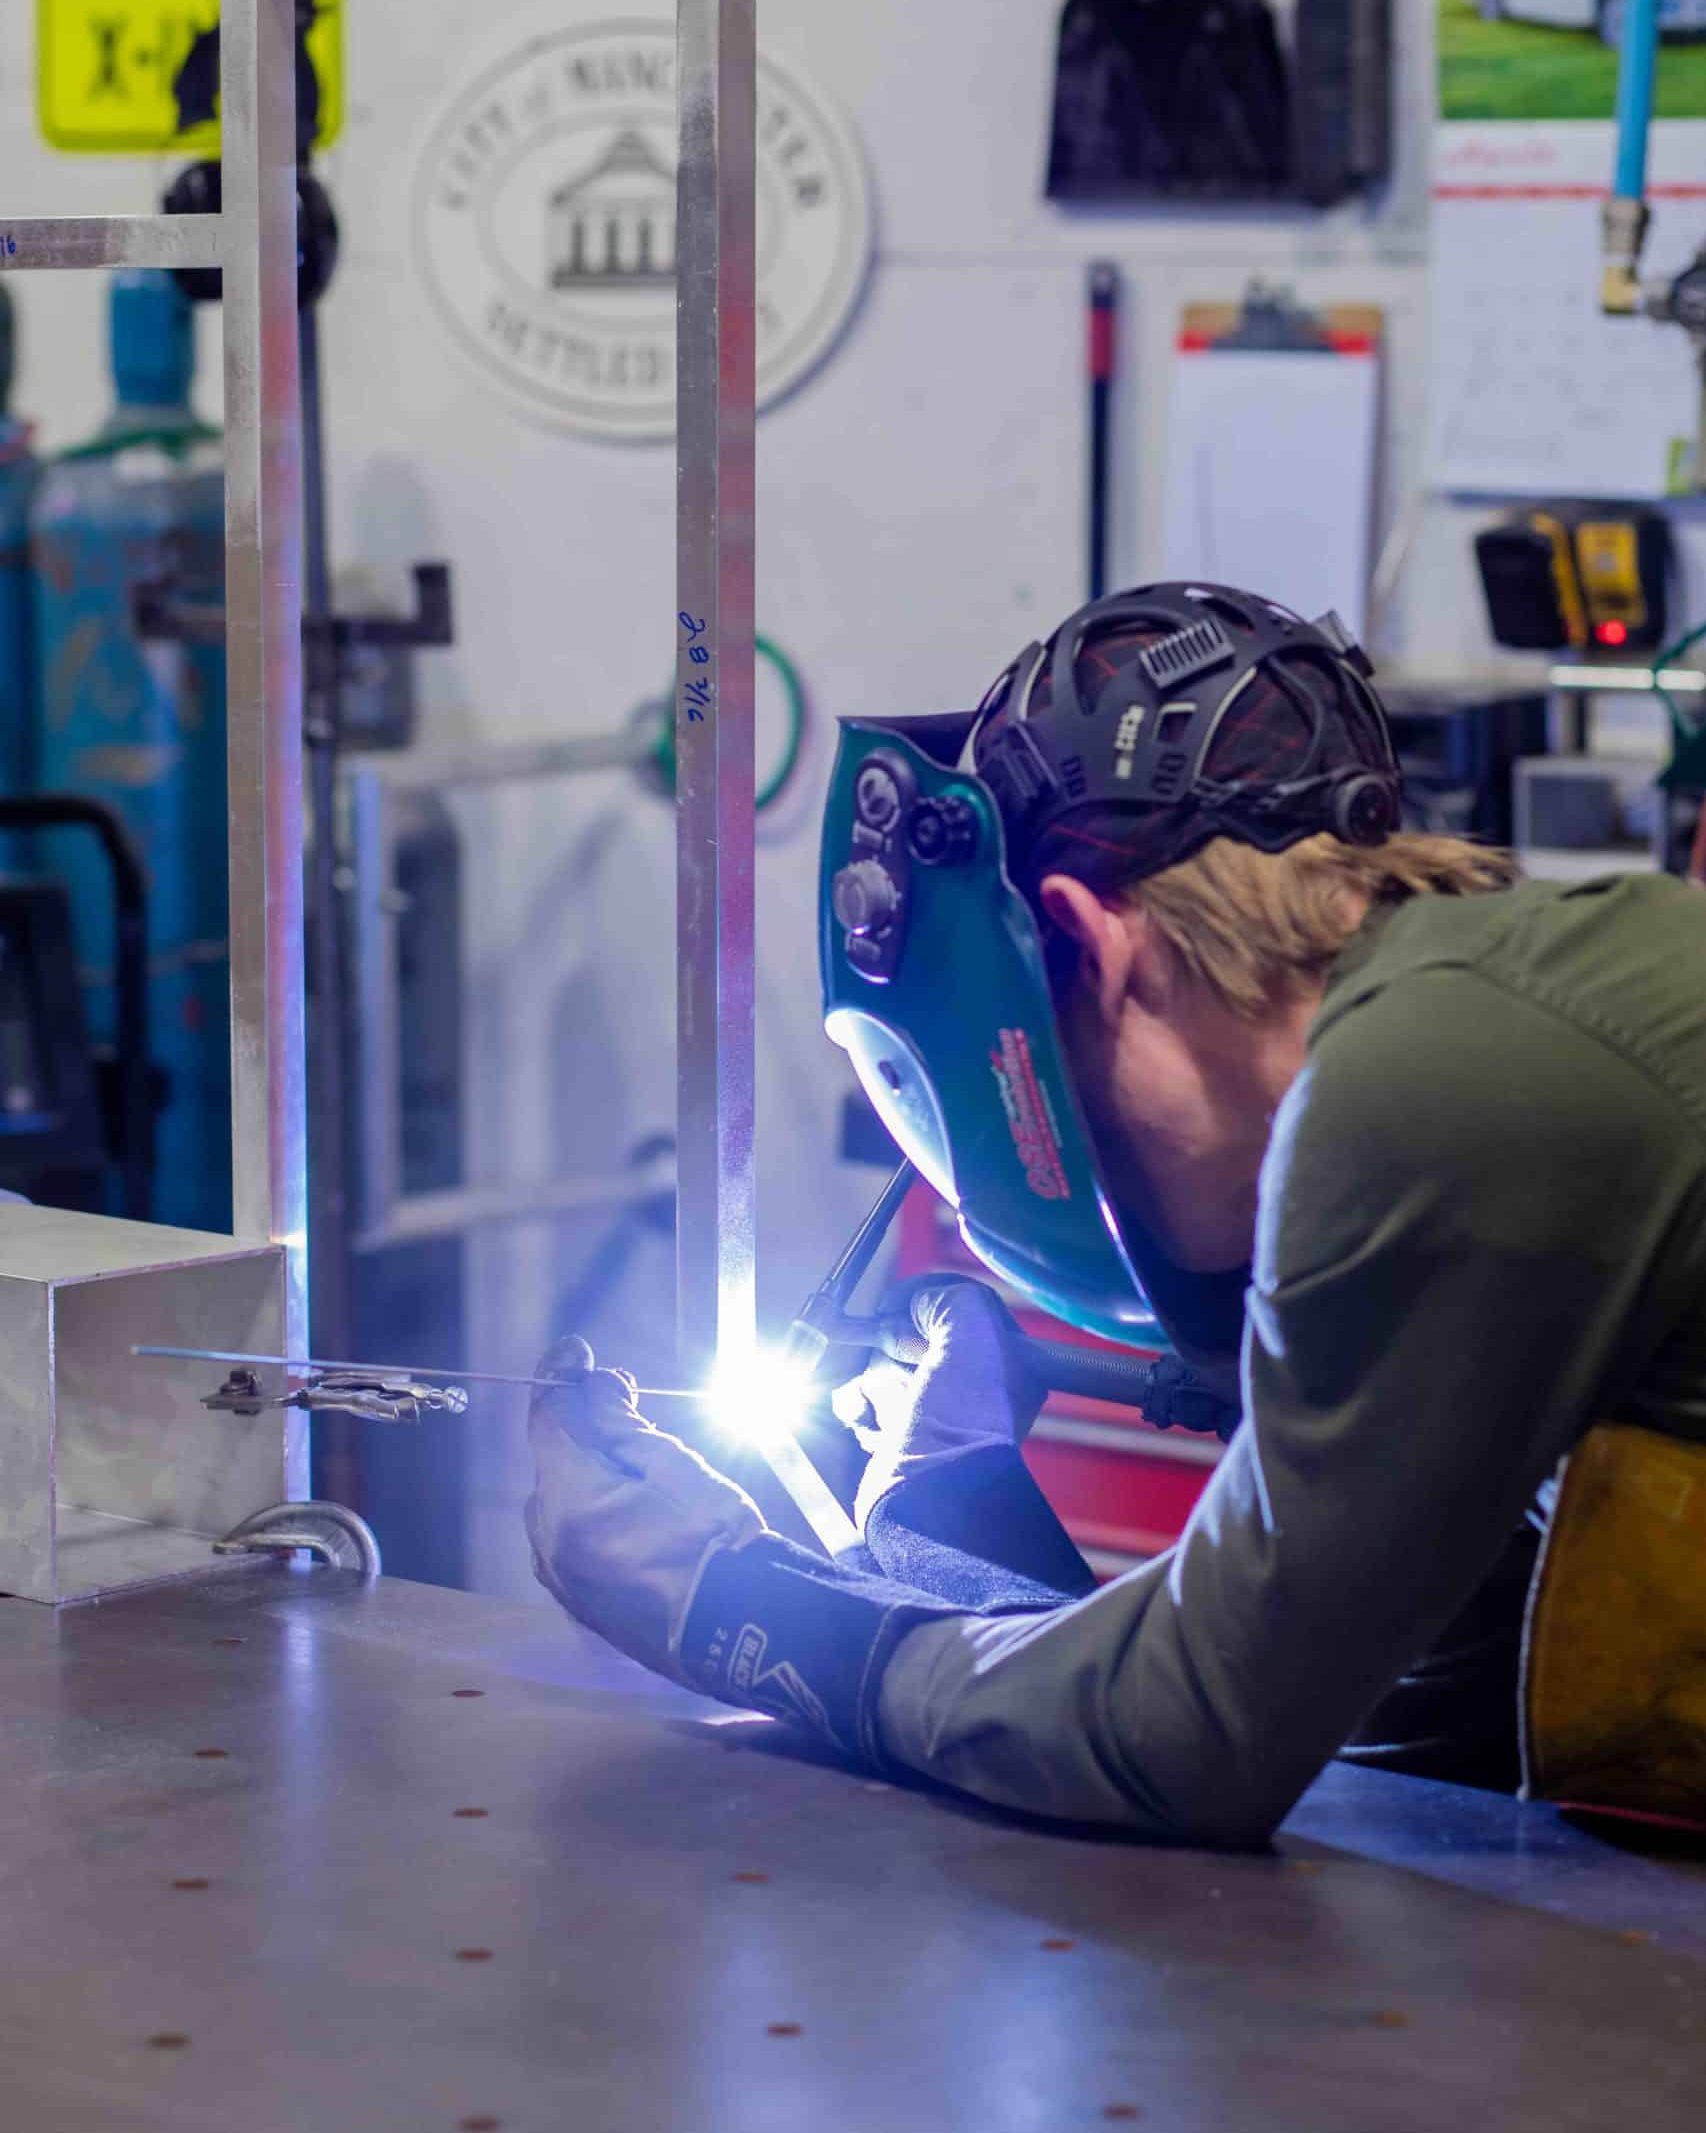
(794, 691)
(1686, 771)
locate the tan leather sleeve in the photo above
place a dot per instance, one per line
(1614, 1666)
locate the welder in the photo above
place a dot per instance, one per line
(1145, 973)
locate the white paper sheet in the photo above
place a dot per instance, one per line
(1533, 390)
(1270, 474)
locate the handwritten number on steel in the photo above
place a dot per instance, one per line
(696, 693)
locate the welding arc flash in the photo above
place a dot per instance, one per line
(757, 1399)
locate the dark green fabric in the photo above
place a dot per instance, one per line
(1482, 1228)
(1561, 1034)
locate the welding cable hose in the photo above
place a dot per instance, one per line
(1166, 1390)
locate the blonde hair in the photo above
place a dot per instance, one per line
(1253, 926)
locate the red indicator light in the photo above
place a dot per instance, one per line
(1611, 632)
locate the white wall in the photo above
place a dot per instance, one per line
(921, 508)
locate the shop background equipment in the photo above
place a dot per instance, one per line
(51, 1144)
(1102, 304)
(17, 485)
(1167, 99)
(1679, 299)
(106, 77)
(76, 1118)
(141, 729)
(1580, 577)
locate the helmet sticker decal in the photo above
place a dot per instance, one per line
(1029, 1119)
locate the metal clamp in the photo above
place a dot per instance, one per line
(374, 1395)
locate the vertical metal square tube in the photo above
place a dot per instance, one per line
(263, 595)
(715, 73)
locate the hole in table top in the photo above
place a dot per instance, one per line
(473, 1955)
(467, 1692)
(211, 1755)
(192, 1881)
(782, 2029)
(228, 1642)
(749, 1874)
(470, 1814)
(168, 2040)
(1055, 1943)
(480, 2122)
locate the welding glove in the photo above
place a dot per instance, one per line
(974, 1388)
(636, 1537)
(623, 1518)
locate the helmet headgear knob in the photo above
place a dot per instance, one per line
(1364, 810)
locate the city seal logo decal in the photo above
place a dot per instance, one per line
(544, 228)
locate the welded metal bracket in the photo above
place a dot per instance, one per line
(331, 1532)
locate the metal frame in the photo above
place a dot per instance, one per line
(263, 598)
(715, 78)
(375, 793)
(253, 242)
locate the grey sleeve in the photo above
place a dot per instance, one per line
(1459, 1259)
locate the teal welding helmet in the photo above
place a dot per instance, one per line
(1207, 713)
(947, 1019)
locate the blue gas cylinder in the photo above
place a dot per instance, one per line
(17, 485)
(141, 725)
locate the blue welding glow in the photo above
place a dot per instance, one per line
(757, 1398)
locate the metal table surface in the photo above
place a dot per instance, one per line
(283, 1851)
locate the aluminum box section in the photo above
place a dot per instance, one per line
(111, 1470)
(84, 1425)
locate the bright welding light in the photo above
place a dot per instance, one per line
(758, 1399)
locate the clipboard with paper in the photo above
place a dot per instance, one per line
(1273, 430)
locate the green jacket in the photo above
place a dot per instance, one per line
(1482, 1229)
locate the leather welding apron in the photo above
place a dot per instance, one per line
(1614, 1655)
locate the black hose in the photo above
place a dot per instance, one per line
(1168, 1391)
(132, 1066)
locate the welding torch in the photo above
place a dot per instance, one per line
(1167, 1390)
(827, 1344)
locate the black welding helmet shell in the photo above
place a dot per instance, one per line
(1156, 720)
(1147, 725)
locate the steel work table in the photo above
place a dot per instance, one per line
(455, 1866)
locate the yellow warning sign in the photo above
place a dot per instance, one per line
(110, 74)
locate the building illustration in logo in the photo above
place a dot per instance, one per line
(613, 226)
(545, 227)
